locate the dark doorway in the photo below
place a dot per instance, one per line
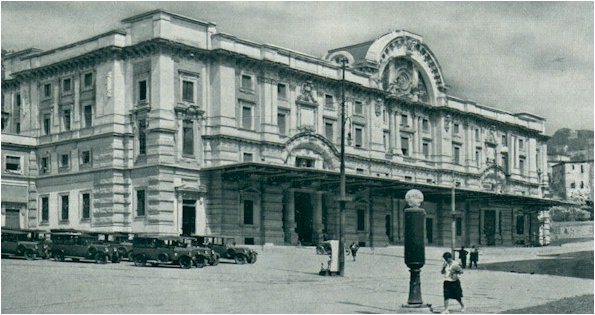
(430, 230)
(189, 217)
(388, 227)
(303, 218)
(489, 226)
(12, 218)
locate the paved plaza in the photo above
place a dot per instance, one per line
(283, 280)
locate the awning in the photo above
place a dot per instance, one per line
(330, 180)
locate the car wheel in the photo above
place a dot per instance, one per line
(29, 254)
(185, 262)
(116, 258)
(240, 259)
(59, 256)
(200, 262)
(252, 258)
(140, 261)
(214, 261)
(100, 258)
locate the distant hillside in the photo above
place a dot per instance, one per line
(578, 144)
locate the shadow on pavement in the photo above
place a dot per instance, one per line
(575, 264)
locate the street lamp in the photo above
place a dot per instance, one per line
(342, 199)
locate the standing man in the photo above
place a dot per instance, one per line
(353, 247)
(452, 285)
(463, 256)
(474, 257)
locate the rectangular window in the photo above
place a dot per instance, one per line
(142, 91)
(358, 108)
(404, 120)
(88, 80)
(521, 144)
(456, 157)
(88, 115)
(18, 101)
(328, 100)
(140, 203)
(282, 91)
(45, 165)
(47, 90)
(405, 145)
(282, 123)
(478, 157)
(329, 131)
(47, 123)
(142, 136)
(522, 165)
(459, 226)
(426, 149)
(477, 134)
(66, 119)
(45, 209)
(64, 207)
(504, 140)
(64, 160)
(86, 206)
(86, 157)
(359, 137)
(246, 82)
(455, 128)
(361, 220)
(520, 224)
(188, 138)
(247, 157)
(13, 163)
(187, 91)
(17, 127)
(247, 117)
(359, 171)
(582, 169)
(248, 212)
(66, 85)
(425, 125)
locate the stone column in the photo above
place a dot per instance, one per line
(290, 225)
(317, 216)
(391, 127)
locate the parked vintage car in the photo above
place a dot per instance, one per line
(27, 243)
(168, 250)
(204, 255)
(78, 245)
(225, 248)
(121, 241)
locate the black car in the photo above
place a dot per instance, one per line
(25, 243)
(225, 248)
(168, 250)
(82, 246)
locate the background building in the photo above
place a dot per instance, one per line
(168, 126)
(573, 180)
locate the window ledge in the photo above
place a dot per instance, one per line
(247, 90)
(86, 220)
(44, 223)
(63, 222)
(139, 218)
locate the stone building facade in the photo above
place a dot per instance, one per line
(573, 180)
(169, 126)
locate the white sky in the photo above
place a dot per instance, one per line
(532, 57)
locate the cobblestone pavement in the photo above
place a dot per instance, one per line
(283, 280)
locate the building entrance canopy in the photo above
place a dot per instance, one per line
(329, 181)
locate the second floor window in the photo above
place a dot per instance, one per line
(88, 116)
(282, 123)
(67, 86)
(425, 125)
(328, 131)
(88, 80)
(246, 112)
(358, 108)
(456, 156)
(478, 157)
(521, 144)
(282, 91)
(328, 100)
(142, 91)
(47, 123)
(44, 166)
(456, 129)
(246, 82)
(47, 90)
(359, 137)
(405, 145)
(45, 209)
(86, 205)
(188, 91)
(64, 207)
(64, 160)
(404, 120)
(66, 119)
(504, 140)
(85, 157)
(426, 149)
(188, 138)
(522, 165)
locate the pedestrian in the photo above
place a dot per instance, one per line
(353, 247)
(463, 256)
(452, 285)
(473, 257)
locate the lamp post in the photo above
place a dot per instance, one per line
(342, 200)
(453, 214)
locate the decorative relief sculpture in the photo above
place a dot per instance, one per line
(378, 107)
(306, 93)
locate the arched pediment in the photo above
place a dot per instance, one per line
(309, 145)
(407, 67)
(493, 178)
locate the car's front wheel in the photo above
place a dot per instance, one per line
(100, 258)
(140, 260)
(240, 259)
(214, 261)
(29, 254)
(116, 258)
(200, 262)
(252, 258)
(59, 256)
(185, 262)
